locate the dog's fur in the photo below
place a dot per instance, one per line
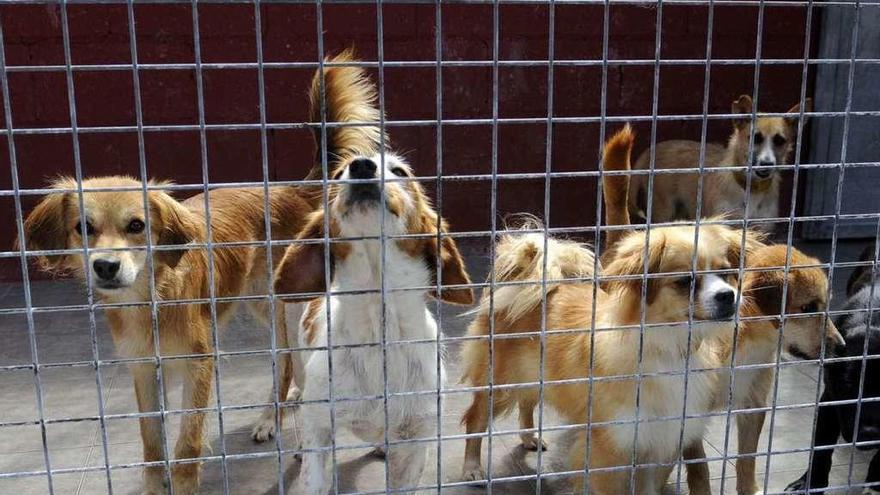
(842, 382)
(413, 263)
(757, 341)
(518, 309)
(113, 220)
(236, 215)
(675, 194)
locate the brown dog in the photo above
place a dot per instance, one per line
(765, 278)
(117, 220)
(675, 194)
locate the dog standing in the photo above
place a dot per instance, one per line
(806, 298)
(842, 380)
(360, 322)
(606, 350)
(117, 221)
(675, 194)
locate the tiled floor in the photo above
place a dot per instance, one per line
(72, 392)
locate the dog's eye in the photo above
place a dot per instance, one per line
(135, 227)
(398, 171)
(684, 282)
(90, 230)
(759, 138)
(812, 307)
(779, 140)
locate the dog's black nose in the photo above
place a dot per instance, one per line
(106, 269)
(362, 168)
(764, 172)
(724, 298)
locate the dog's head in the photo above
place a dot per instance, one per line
(114, 221)
(773, 138)
(806, 298)
(843, 380)
(355, 210)
(670, 260)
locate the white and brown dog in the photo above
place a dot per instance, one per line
(373, 354)
(675, 194)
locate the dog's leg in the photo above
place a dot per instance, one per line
(697, 472)
(476, 420)
(315, 436)
(827, 431)
(602, 455)
(147, 393)
(406, 461)
(197, 380)
(748, 430)
(527, 422)
(873, 477)
(289, 367)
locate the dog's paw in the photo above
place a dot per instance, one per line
(264, 429)
(871, 490)
(294, 394)
(154, 482)
(800, 485)
(530, 441)
(473, 473)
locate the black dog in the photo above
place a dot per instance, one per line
(842, 381)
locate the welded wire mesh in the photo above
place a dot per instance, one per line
(45, 447)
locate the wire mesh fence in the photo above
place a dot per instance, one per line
(667, 316)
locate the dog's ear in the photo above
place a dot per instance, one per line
(743, 104)
(739, 245)
(630, 261)
(792, 120)
(301, 270)
(452, 270)
(764, 289)
(44, 228)
(177, 226)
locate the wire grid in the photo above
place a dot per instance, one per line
(283, 452)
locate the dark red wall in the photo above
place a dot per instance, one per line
(99, 35)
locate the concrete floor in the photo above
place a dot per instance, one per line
(72, 392)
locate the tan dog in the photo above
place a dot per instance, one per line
(118, 220)
(675, 194)
(758, 338)
(614, 350)
(805, 329)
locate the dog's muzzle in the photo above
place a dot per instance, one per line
(763, 170)
(725, 304)
(362, 168)
(106, 271)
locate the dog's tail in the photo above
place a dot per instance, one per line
(616, 157)
(520, 257)
(349, 95)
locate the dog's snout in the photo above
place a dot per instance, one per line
(106, 269)
(362, 168)
(725, 297)
(765, 170)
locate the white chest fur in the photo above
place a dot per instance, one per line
(379, 354)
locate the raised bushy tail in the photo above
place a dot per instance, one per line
(349, 95)
(519, 257)
(616, 157)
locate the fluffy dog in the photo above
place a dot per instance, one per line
(675, 194)
(861, 329)
(386, 362)
(764, 282)
(117, 264)
(611, 349)
(117, 221)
